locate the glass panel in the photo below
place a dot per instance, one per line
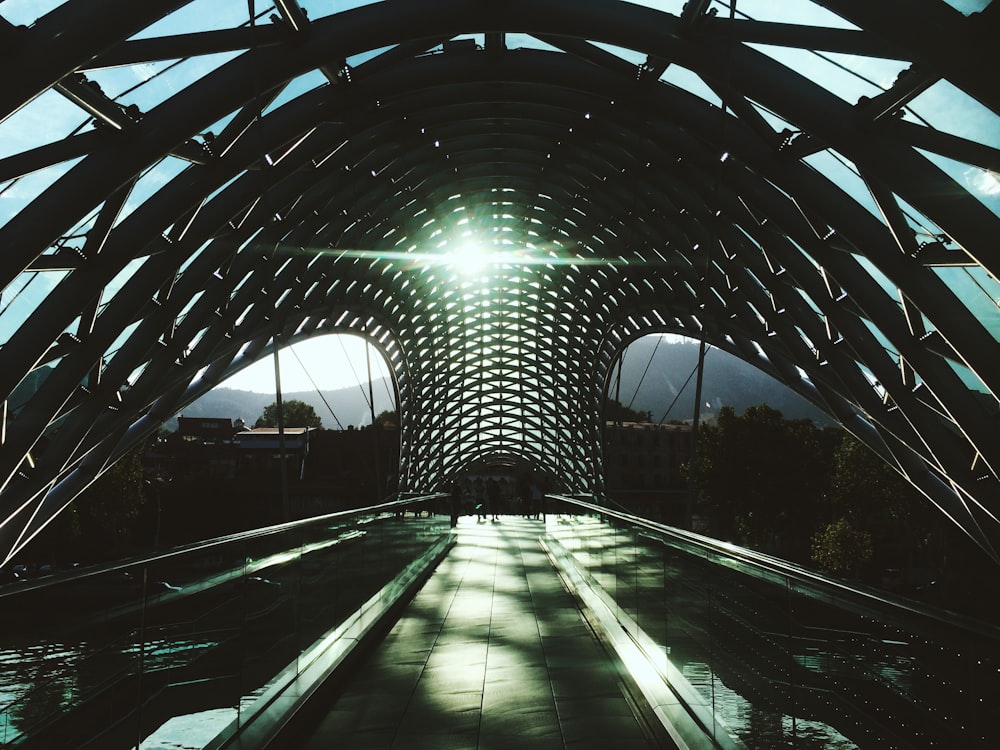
(26, 12)
(47, 118)
(17, 194)
(953, 111)
(804, 13)
(788, 659)
(22, 298)
(978, 290)
(152, 180)
(195, 636)
(981, 183)
(203, 15)
(843, 173)
(320, 8)
(151, 83)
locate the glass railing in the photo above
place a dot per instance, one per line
(184, 643)
(773, 655)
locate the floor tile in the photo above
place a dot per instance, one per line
(492, 654)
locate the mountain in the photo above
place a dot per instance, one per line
(348, 405)
(652, 376)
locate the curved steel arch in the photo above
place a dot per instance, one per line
(616, 204)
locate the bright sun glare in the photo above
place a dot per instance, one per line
(469, 258)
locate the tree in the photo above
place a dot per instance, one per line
(872, 496)
(841, 549)
(758, 477)
(616, 412)
(864, 488)
(296, 413)
(102, 519)
(387, 418)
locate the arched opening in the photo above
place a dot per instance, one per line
(649, 416)
(325, 457)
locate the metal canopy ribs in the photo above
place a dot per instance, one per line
(207, 188)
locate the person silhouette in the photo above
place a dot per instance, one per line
(493, 498)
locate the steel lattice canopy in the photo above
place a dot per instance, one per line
(809, 186)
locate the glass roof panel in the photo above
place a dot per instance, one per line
(951, 110)
(691, 82)
(119, 342)
(836, 79)
(149, 84)
(152, 180)
(26, 12)
(17, 194)
(630, 55)
(205, 15)
(355, 60)
(845, 175)
(978, 290)
(881, 279)
(801, 13)
(968, 6)
(22, 298)
(121, 279)
(320, 8)
(668, 6)
(876, 71)
(967, 376)
(296, 87)
(47, 118)
(981, 183)
(923, 228)
(526, 41)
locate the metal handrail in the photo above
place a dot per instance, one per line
(21, 587)
(855, 597)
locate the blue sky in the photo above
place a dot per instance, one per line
(332, 362)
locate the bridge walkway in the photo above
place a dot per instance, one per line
(492, 652)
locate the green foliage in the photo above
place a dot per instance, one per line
(873, 496)
(841, 549)
(758, 477)
(296, 413)
(387, 418)
(861, 474)
(810, 495)
(102, 519)
(616, 412)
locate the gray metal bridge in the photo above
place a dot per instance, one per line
(500, 197)
(188, 185)
(585, 628)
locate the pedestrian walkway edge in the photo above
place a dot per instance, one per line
(681, 711)
(276, 712)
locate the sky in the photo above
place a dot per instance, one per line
(331, 362)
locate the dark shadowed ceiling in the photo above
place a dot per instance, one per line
(500, 196)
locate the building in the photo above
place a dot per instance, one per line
(642, 464)
(260, 450)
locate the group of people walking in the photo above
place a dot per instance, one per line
(491, 496)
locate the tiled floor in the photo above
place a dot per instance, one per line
(492, 653)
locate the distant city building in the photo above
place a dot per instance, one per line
(642, 465)
(202, 448)
(326, 469)
(260, 451)
(206, 430)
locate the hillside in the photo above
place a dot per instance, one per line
(348, 404)
(728, 381)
